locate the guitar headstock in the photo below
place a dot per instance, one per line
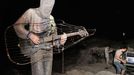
(84, 33)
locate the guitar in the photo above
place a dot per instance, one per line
(27, 45)
(14, 49)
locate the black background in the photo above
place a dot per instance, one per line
(110, 18)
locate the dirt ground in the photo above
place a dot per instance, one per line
(88, 58)
(91, 69)
(85, 58)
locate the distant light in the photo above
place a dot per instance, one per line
(123, 34)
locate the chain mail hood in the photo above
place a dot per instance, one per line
(45, 8)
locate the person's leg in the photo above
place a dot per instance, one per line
(42, 62)
(122, 69)
(123, 72)
(37, 65)
(47, 62)
(37, 68)
(107, 57)
(117, 66)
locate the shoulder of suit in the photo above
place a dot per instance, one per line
(30, 10)
(51, 17)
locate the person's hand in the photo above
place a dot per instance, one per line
(63, 39)
(34, 38)
(124, 61)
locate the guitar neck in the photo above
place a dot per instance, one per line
(51, 38)
(72, 34)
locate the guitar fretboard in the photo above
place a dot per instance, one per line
(52, 38)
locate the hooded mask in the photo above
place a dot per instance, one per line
(45, 8)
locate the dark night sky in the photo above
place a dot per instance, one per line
(109, 18)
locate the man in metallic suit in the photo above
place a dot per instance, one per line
(41, 24)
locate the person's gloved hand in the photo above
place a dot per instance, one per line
(63, 39)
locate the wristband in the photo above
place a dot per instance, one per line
(28, 34)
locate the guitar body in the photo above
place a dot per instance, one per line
(26, 47)
(13, 49)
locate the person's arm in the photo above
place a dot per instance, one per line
(110, 50)
(63, 38)
(117, 56)
(19, 26)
